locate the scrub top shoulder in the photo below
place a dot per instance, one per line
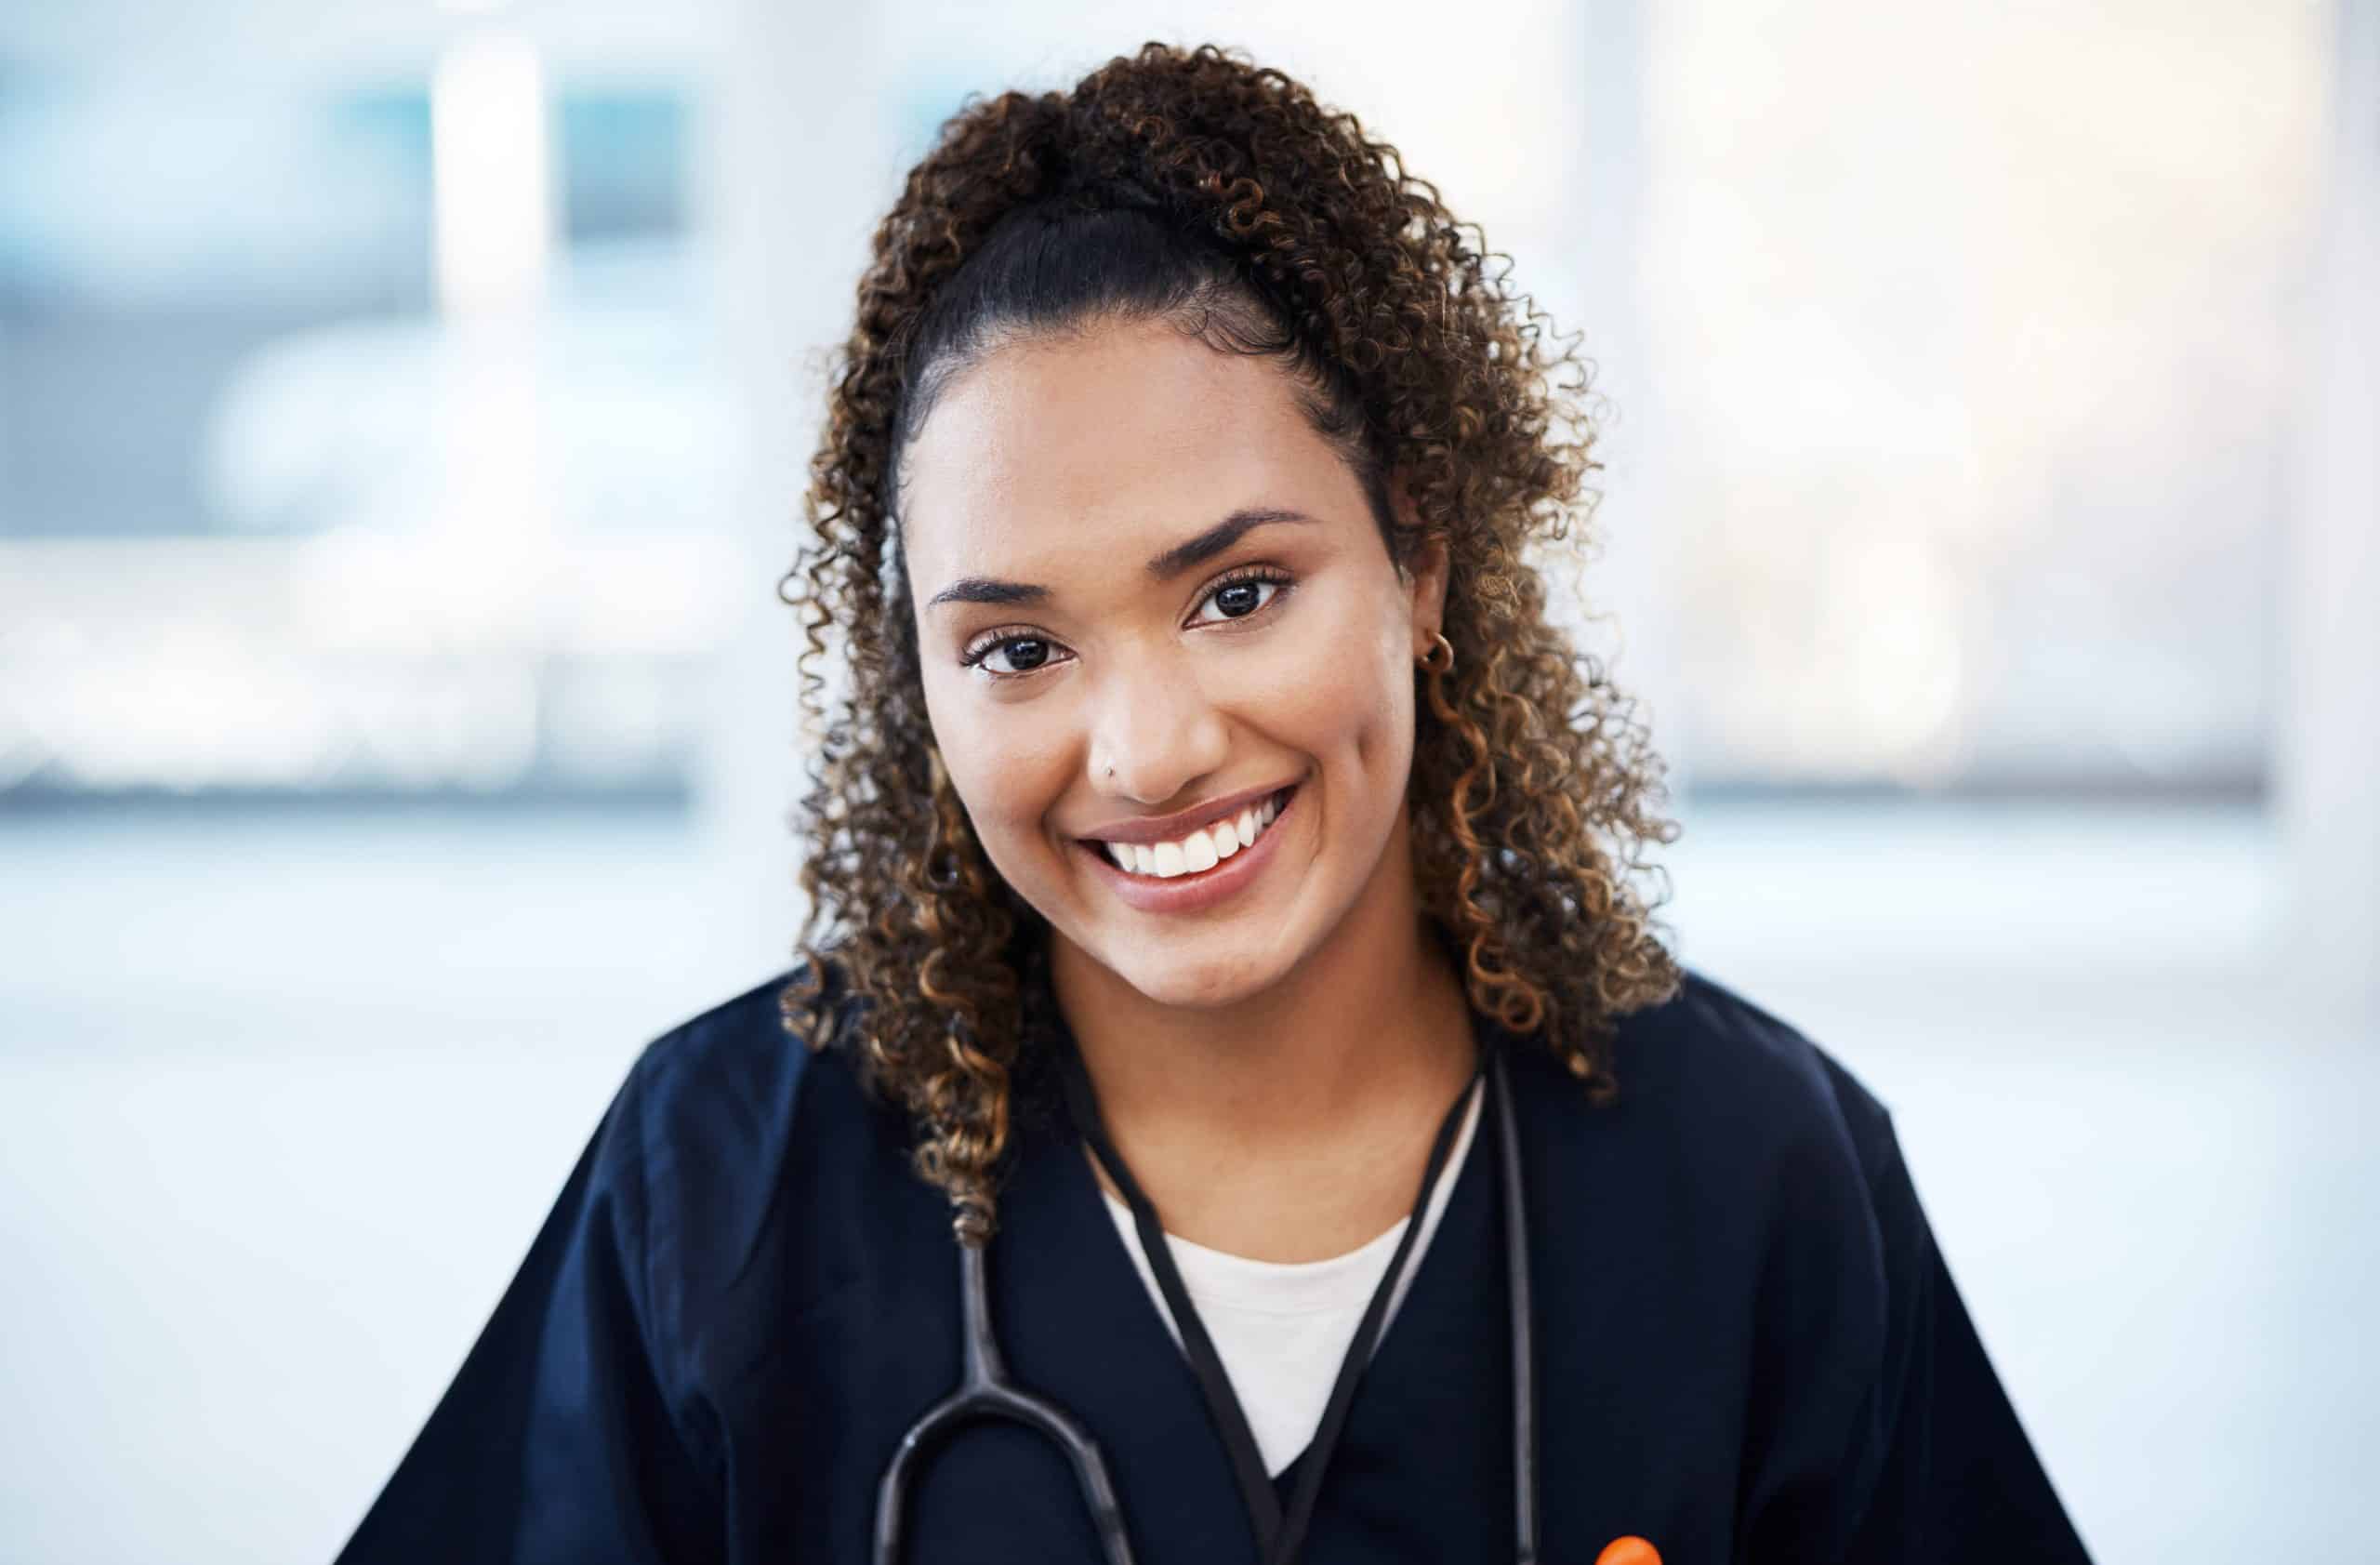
(1748, 1345)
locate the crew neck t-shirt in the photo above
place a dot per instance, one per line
(1282, 1328)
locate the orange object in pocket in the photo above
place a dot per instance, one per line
(1630, 1550)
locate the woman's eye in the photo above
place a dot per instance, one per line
(1247, 595)
(1015, 654)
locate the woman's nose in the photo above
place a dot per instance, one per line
(1155, 731)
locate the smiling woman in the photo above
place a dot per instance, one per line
(1151, 518)
(1176, 670)
(1215, 844)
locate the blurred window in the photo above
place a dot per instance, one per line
(357, 441)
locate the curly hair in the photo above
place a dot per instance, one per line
(1535, 792)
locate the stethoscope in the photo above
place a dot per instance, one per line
(985, 1392)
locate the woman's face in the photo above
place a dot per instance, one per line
(1152, 605)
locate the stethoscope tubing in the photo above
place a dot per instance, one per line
(986, 1392)
(1524, 1307)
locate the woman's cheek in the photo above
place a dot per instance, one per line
(1010, 772)
(1337, 694)
(964, 741)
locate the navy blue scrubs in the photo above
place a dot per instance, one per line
(1749, 1347)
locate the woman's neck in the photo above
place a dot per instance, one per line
(1294, 1124)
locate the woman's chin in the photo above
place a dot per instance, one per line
(1199, 983)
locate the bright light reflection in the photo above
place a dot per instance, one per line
(489, 167)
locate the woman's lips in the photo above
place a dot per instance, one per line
(1201, 888)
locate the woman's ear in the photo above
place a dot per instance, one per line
(1426, 576)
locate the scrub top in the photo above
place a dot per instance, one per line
(1749, 1347)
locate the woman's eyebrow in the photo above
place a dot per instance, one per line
(1183, 556)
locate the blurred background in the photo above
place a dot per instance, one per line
(402, 415)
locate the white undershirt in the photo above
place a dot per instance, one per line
(1282, 1328)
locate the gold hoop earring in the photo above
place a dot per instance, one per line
(1439, 659)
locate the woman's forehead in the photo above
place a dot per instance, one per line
(1132, 435)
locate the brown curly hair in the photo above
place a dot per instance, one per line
(1534, 792)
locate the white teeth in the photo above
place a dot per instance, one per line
(1199, 850)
